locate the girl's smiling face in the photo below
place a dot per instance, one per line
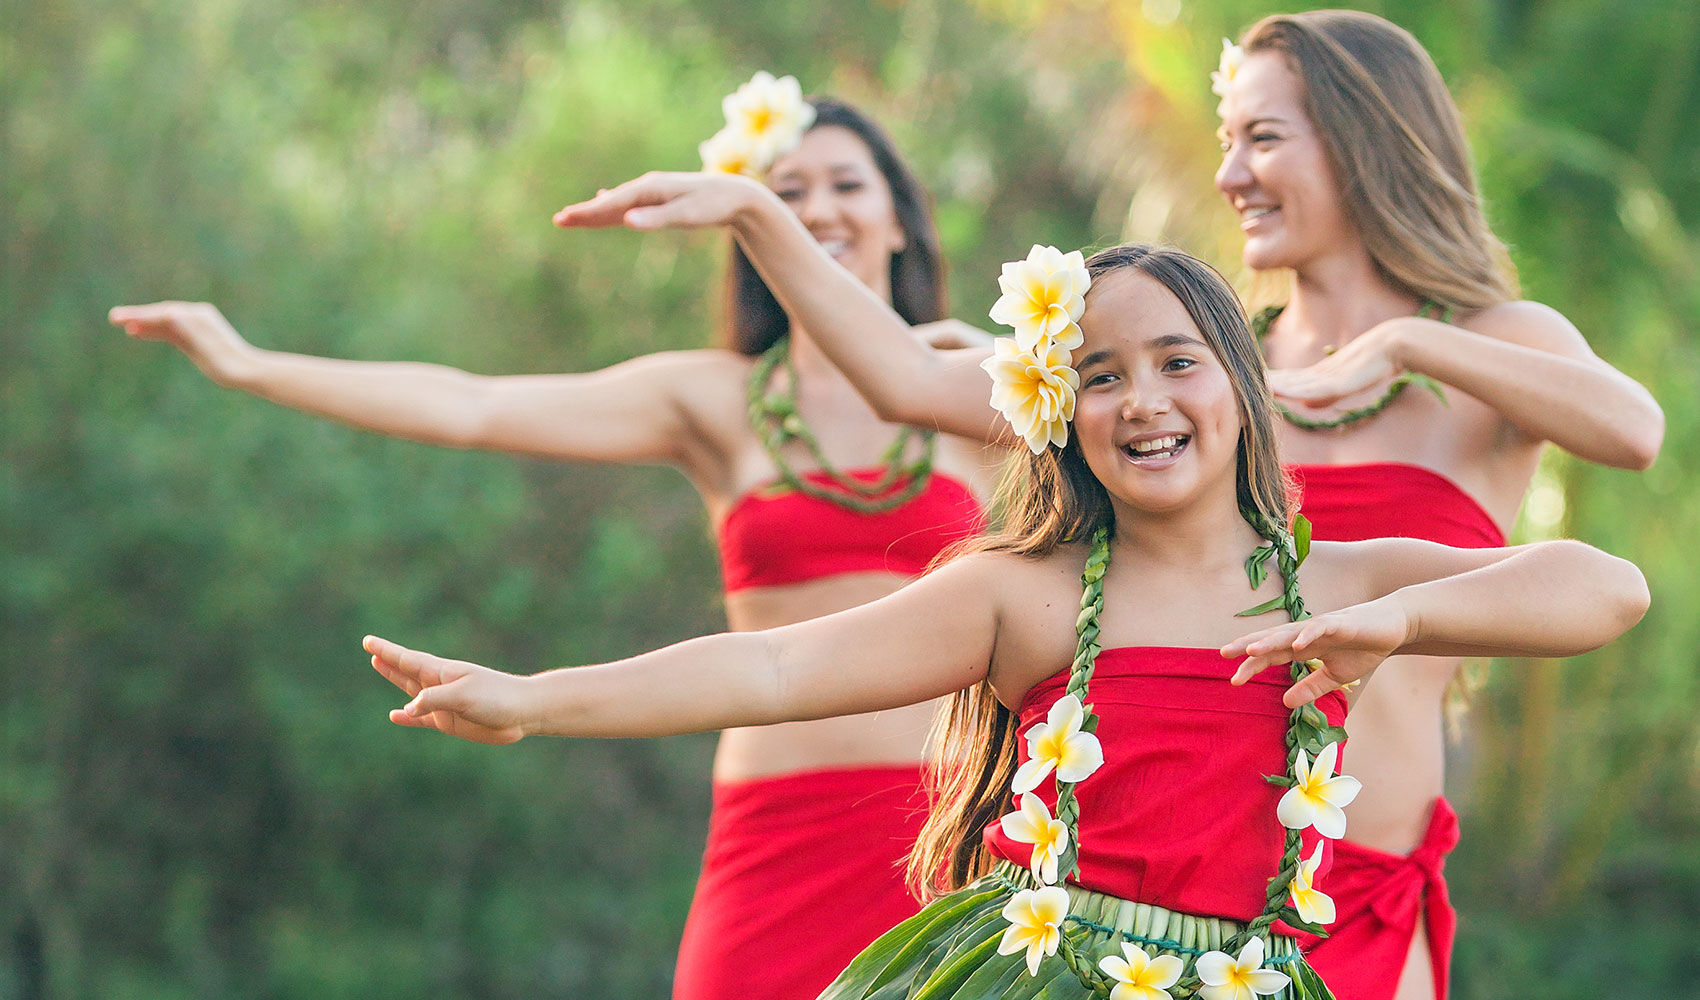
(833, 184)
(1156, 414)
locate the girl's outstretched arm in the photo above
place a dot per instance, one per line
(1549, 599)
(632, 412)
(930, 638)
(904, 380)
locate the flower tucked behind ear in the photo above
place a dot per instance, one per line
(770, 113)
(1043, 297)
(1034, 392)
(1232, 58)
(727, 152)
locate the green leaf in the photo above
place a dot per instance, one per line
(1272, 604)
(1301, 537)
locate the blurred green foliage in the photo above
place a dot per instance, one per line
(199, 794)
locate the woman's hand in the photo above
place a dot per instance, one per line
(452, 696)
(197, 329)
(1369, 360)
(1349, 643)
(660, 200)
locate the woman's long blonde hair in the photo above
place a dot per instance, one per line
(1053, 499)
(1396, 142)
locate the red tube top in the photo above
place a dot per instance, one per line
(768, 539)
(1349, 503)
(1179, 814)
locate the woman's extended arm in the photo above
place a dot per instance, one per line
(932, 637)
(633, 412)
(902, 379)
(1524, 360)
(1549, 599)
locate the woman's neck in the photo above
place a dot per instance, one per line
(1338, 297)
(814, 367)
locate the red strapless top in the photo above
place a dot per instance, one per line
(1179, 814)
(1349, 503)
(769, 539)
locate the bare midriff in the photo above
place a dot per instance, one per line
(881, 739)
(1397, 748)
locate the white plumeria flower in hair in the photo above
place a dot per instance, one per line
(1314, 905)
(729, 152)
(1032, 824)
(1057, 744)
(1043, 297)
(1232, 58)
(1319, 797)
(1034, 392)
(1035, 923)
(1138, 976)
(1241, 978)
(770, 113)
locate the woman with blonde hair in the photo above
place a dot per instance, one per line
(819, 505)
(1107, 827)
(1417, 393)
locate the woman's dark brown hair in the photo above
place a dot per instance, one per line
(754, 319)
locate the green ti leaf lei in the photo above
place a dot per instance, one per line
(1260, 327)
(776, 422)
(1307, 729)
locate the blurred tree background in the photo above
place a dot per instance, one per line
(199, 793)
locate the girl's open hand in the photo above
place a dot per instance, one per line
(452, 696)
(1349, 643)
(660, 200)
(197, 329)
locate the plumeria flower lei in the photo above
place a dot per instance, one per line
(1318, 795)
(1313, 904)
(1138, 976)
(765, 119)
(1033, 378)
(1240, 977)
(1032, 823)
(1035, 923)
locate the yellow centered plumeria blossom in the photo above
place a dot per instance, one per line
(1035, 923)
(1043, 297)
(1034, 392)
(728, 152)
(1319, 797)
(1232, 57)
(771, 114)
(1138, 976)
(1313, 904)
(1241, 978)
(1032, 824)
(1057, 744)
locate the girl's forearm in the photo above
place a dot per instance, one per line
(1551, 599)
(712, 682)
(1582, 405)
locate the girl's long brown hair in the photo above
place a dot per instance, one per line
(1053, 499)
(1396, 142)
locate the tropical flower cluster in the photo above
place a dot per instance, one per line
(765, 119)
(1058, 746)
(1317, 798)
(1033, 379)
(1232, 58)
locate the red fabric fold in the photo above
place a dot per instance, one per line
(768, 539)
(1349, 503)
(802, 871)
(1379, 897)
(1179, 814)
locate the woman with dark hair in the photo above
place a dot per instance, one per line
(1346, 159)
(818, 503)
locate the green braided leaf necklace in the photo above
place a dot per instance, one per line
(1260, 324)
(776, 422)
(1308, 729)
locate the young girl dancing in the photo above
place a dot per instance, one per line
(1133, 805)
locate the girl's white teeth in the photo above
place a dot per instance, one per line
(835, 247)
(1157, 444)
(1257, 213)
